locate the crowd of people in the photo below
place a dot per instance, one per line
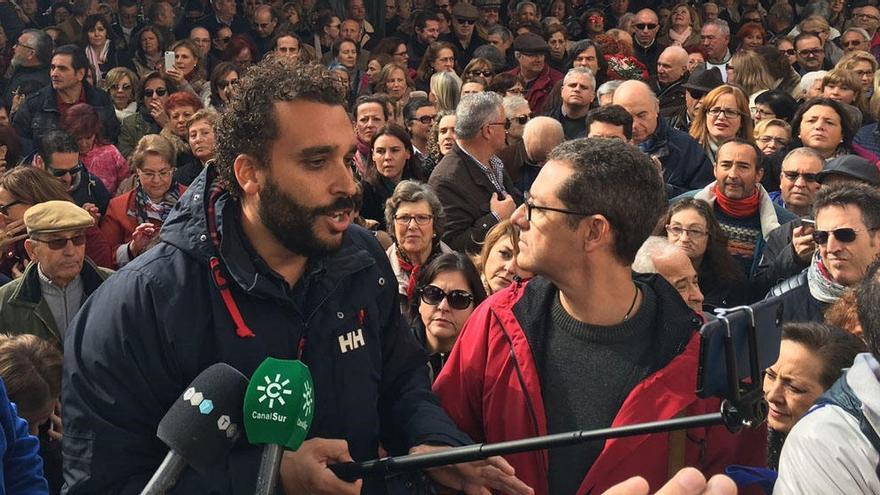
(474, 220)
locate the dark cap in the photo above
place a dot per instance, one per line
(704, 80)
(488, 4)
(530, 43)
(852, 166)
(466, 11)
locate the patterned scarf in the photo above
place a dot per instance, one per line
(822, 285)
(148, 211)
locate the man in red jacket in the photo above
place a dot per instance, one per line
(531, 52)
(586, 344)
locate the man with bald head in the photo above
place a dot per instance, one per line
(668, 84)
(685, 165)
(645, 46)
(524, 159)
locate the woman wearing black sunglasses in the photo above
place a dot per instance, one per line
(448, 290)
(150, 117)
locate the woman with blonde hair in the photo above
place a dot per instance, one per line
(724, 114)
(189, 72)
(445, 90)
(682, 28)
(497, 260)
(844, 86)
(772, 135)
(394, 81)
(746, 70)
(864, 65)
(120, 84)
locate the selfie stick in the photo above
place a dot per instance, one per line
(745, 406)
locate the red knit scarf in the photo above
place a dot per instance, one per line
(737, 208)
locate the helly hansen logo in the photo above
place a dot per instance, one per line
(351, 340)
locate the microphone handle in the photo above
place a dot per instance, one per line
(267, 476)
(166, 475)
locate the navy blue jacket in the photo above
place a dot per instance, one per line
(685, 164)
(154, 325)
(22, 469)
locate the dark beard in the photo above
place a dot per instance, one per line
(294, 224)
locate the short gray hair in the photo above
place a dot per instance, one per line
(608, 87)
(803, 151)
(654, 247)
(412, 191)
(41, 43)
(512, 103)
(810, 78)
(502, 31)
(580, 71)
(525, 3)
(721, 24)
(475, 111)
(861, 32)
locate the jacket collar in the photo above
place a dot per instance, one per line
(473, 169)
(29, 292)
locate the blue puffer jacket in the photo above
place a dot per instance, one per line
(158, 322)
(22, 472)
(685, 164)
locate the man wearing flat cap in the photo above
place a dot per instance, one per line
(462, 36)
(531, 52)
(699, 82)
(59, 278)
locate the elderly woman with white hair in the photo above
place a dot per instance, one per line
(516, 114)
(811, 85)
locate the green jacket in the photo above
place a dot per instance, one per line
(23, 310)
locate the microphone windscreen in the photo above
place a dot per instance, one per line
(206, 420)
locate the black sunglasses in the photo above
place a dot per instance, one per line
(485, 73)
(457, 299)
(793, 176)
(649, 26)
(56, 244)
(521, 120)
(790, 52)
(61, 172)
(223, 84)
(845, 235)
(158, 92)
(465, 21)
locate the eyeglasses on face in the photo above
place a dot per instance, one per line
(728, 113)
(847, 44)
(149, 175)
(406, 219)
(465, 21)
(810, 53)
(5, 208)
(771, 139)
(845, 235)
(678, 231)
(790, 52)
(457, 299)
(521, 120)
(58, 244)
(148, 93)
(531, 206)
(485, 73)
(793, 176)
(121, 87)
(426, 119)
(646, 26)
(61, 172)
(223, 84)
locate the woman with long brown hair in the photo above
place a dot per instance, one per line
(723, 114)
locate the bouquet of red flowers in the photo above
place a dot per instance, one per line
(625, 67)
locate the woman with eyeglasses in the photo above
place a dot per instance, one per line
(772, 135)
(391, 161)
(150, 118)
(120, 83)
(448, 289)
(21, 188)
(864, 65)
(416, 222)
(148, 54)
(516, 113)
(439, 57)
(691, 225)
(497, 259)
(724, 114)
(786, 46)
(479, 67)
(774, 105)
(100, 157)
(133, 219)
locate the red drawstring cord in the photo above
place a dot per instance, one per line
(241, 328)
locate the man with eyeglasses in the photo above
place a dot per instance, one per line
(810, 54)
(471, 181)
(847, 237)
(854, 40)
(645, 47)
(60, 277)
(530, 51)
(585, 343)
(419, 115)
(58, 154)
(867, 17)
(30, 60)
(790, 248)
(742, 206)
(463, 37)
(265, 22)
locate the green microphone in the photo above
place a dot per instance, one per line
(278, 408)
